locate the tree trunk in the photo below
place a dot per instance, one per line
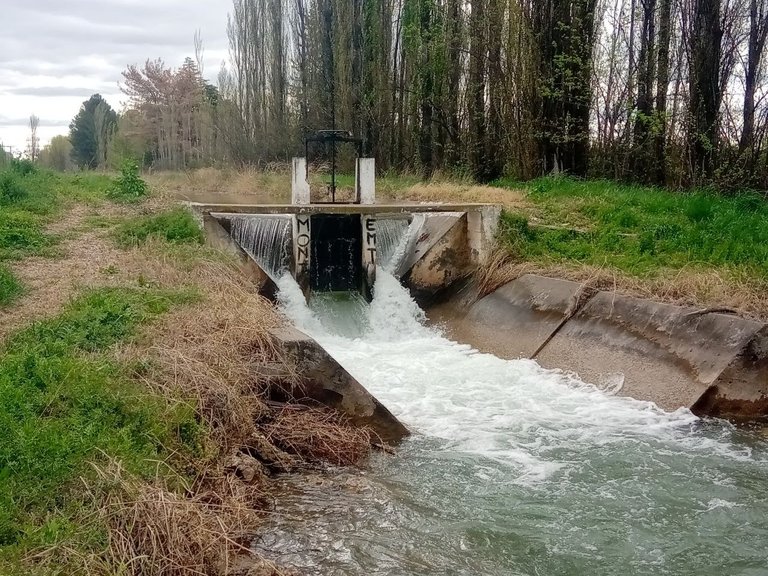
(704, 79)
(476, 108)
(426, 87)
(455, 44)
(662, 85)
(758, 28)
(644, 120)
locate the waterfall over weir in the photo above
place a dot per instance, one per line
(395, 239)
(389, 236)
(266, 239)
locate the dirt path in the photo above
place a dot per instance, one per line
(87, 257)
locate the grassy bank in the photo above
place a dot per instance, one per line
(136, 433)
(689, 248)
(66, 405)
(30, 199)
(638, 230)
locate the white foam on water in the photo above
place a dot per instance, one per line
(512, 411)
(517, 469)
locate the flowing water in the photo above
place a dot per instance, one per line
(266, 239)
(513, 469)
(396, 238)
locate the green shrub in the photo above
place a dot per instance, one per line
(23, 167)
(11, 189)
(129, 186)
(176, 226)
(10, 287)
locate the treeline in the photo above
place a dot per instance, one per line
(667, 92)
(659, 91)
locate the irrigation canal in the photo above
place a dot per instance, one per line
(513, 469)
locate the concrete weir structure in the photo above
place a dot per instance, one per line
(337, 246)
(715, 364)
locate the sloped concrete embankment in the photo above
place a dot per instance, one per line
(322, 379)
(715, 364)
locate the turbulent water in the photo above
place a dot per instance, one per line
(515, 470)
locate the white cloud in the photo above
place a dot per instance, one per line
(54, 54)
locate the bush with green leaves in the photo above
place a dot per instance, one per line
(11, 188)
(23, 167)
(129, 186)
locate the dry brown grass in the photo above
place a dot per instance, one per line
(154, 531)
(437, 191)
(273, 185)
(225, 185)
(318, 435)
(220, 355)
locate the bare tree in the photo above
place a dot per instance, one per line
(758, 31)
(33, 150)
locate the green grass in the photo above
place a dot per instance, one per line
(22, 234)
(84, 187)
(65, 403)
(176, 226)
(10, 287)
(639, 230)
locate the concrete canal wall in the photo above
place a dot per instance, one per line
(716, 364)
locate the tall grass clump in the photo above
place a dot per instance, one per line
(24, 187)
(10, 287)
(28, 199)
(176, 226)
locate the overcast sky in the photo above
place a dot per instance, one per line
(55, 53)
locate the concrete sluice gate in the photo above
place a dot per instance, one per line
(337, 247)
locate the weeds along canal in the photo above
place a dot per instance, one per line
(513, 469)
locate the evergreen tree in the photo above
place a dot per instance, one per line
(90, 130)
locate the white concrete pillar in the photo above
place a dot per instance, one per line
(482, 225)
(299, 184)
(365, 180)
